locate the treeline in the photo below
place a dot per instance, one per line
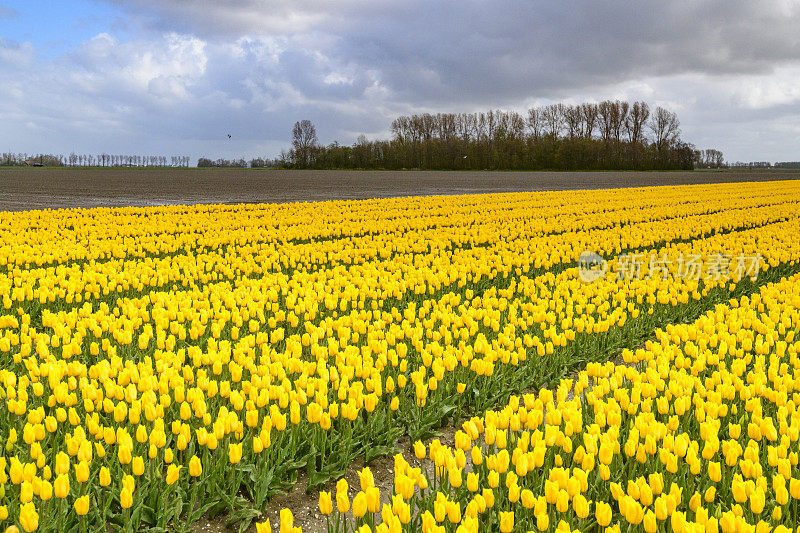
(10, 159)
(610, 135)
(92, 160)
(791, 165)
(709, 159)
(257, 162)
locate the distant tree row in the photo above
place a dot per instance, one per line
(766, 164)
(9, 159)
(709, 159)
(258, 162)
(610, 135)
(112, 160)
(91, 160)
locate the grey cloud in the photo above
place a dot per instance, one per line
(434, 52)
(195, 70)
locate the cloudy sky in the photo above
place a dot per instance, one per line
(174, 77)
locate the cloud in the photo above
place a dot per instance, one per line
(431, 52)
(192, 71)
(8, 13)
(15, 56)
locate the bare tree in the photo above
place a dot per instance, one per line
(554, 119)
(589, 112)
(665, 127)
(636, 120)
(620, 115)
(516, 125)
(573, 118)
(304, 140)
(535, 122)
(606, 111)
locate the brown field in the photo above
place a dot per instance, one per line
(42, 188)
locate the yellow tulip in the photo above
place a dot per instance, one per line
(325, 503)
(506, 521)
(366, 479)
(61, 486)
(287, 521)
(360, 505)
(82, 505)
(195, 468)
(234, 452)
(342, 499)
(126, 498)
(105, 476)
(28, 517)
(419, 450)
(173, 473)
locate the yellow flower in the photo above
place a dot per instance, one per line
(714, 472)
(454, 476)
(373, 499)
(606, 453)
(287, 521)
(419, 450)
(28, 517)
(562, 501)
(360, 505)
(105, 476)
(325, 503)
(126, 498)
(137, 466)
(366, 479)
(173, 473)
(195, 468)
(82, 505)
(649, 522)
(342, 499)
(757, 500)
(263, 527)
(602, 513)
(739, 490)
(542, 522)
(794, 488)
(45, 492)
(234, 452)
(472, 482)
(506, 521)
(61, 486)
(581, 506)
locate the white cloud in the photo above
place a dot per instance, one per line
(195, 70)
(15, 56)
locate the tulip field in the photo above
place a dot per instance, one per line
(163, 364)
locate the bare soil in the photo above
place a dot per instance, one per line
(54, 188)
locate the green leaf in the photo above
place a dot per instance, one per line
(379, 451)
(217, 509)
(247, 514)
(318, 479)
(201, 511)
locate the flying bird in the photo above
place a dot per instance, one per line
(229, 136)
